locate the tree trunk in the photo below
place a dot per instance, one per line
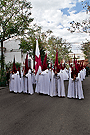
(2, 57)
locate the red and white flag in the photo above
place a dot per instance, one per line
(38, 64)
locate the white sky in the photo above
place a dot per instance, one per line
(49, 15)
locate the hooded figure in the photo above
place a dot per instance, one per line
(22, 81)
(11, 83)
(75, 86)
(30, 86)
(46, 82)
(18, 82)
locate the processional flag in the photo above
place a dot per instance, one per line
(14, 66)
(38, 64)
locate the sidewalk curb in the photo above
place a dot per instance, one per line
(2, 88)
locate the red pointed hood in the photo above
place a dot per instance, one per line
(26, 64)
(75, 70)
(56, 66)
(14, 66)
(44, 67)
(74, 59)
(61, 66)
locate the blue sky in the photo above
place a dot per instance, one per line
(77, 8)
(56, 15)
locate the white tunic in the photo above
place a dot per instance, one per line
(18, 82)
(11, 83)
(33, 79)
(25, 84)
(61, 88)
(46, 82)
(53, 85)
(14, 76)
(30, 87)
(82, 75)
(75, 88)
(39, 84)
(22, 82)
(65, 75)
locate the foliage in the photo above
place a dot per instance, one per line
(14, 20)
(47, 43)
(2, 78)
(80, 27)
(14, 17)
(2, 75)
(86, 5)
(10, 65)
(28, 43)
(85, 25)
(86, 48)
(63, 49)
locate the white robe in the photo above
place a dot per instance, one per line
(84, 71)
(22, 82)
(65, 75)
(25, 84)
(33, 79)
(82, 75)
(14, 76)
(30, 87)
(61, 88)
(11, 83)
(18, 83)
(46, 82)
(39, 84)
(53, 91)
(75, 89)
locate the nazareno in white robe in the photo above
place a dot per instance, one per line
(18, 82)
(30, 86)
(82, 75)
(39, 84)
(45, 82)
(14, 76)
(75, 88)
(11, 83)
(53, 91)
(61, 88)
(25, 84)
(22, 82)
(65, 75)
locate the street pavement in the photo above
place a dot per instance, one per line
(23, 114)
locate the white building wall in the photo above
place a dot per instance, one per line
(12, 49)
(9, 57)
(12, 44)
(79, 55)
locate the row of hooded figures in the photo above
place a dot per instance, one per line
(48, 82)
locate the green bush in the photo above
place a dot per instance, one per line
(2, 78)
(10, 65)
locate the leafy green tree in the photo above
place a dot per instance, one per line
(84, 26)
(10, 65)
(61, 45)
(14, 20)
(86, 49)
(28, 42)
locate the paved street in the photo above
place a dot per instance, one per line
(23, 114)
